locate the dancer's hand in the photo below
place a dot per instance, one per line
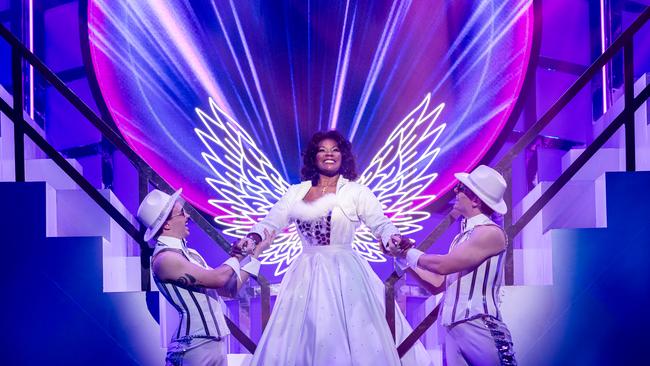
(397, 248)
(394, 246)
(245, 245)
(390, 248)
(238, 250)
(404, 245)
(264, 244)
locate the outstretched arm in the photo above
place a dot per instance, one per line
(430, 281)
(172, 266)
(485, 242)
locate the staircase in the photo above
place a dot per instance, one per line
(593, 311)
(66, 303)
(582, 274)
(581, 203)
(83, 302)
(86, 268)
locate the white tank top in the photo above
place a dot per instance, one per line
(200, 310)
(474, 292)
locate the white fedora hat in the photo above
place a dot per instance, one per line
(488, 185)
(155, 209)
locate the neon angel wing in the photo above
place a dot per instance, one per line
(400, 173)
(245, 183)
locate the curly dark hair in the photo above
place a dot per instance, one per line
(309, 169)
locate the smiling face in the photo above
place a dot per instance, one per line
(176, 224)
(328, 158)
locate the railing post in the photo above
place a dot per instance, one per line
(265, 300)
(410, 340)
(145, 253)
(507, 222)
(628, 78)
(389, 301)
(19, 131)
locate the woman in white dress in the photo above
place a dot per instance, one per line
(330, 307)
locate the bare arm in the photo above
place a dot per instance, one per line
(432, 282)
(485, 242)
(171, 266)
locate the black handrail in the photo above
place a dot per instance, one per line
(69, 95)
(76, 176)
(146, 173)
(22, 127)
(625, 42)
(19, 140)
(601, 61)
(572, 169)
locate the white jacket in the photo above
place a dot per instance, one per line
(355, 204)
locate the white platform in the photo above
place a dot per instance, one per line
(575, 206)
(79, 215)
(121, 274)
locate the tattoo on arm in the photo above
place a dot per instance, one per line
(188, 281)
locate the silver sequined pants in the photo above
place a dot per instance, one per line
(481, 341)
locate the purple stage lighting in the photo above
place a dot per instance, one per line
(205, 90)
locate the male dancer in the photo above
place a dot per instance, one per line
(475, 332)
(189, 284)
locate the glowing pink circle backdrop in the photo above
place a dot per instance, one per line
(285, 69)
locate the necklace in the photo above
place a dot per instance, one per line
(322, 192)
(325, 187)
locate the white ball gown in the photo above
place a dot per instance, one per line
(330, 307)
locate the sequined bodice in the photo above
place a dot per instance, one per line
(315, 232)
